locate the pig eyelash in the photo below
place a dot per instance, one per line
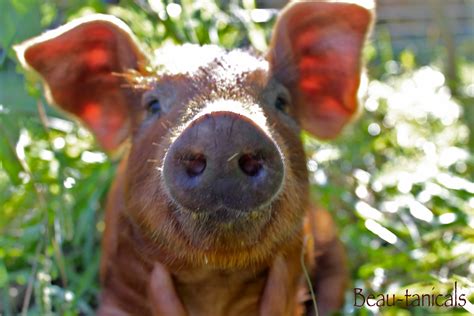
(153, 106)
(281, 103)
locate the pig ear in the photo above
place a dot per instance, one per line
(316, 52)
(79, 63)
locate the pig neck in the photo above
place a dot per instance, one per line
(231, 291)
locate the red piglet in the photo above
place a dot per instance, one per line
(209, 213)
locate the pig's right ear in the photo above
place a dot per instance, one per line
(79, 63)
(316, 53)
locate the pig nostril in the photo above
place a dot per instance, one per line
(194, 164)
(251, 164)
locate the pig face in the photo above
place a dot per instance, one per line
(216, 172)
(216, 156)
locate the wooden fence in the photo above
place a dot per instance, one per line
(420, 25)
(423, 24)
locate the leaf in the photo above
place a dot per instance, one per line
(3, 275)
(9, 161)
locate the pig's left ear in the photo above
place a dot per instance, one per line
(79, 63)
(316, 53)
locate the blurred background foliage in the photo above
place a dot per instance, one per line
(399, 181)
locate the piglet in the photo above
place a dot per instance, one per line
(209, 213)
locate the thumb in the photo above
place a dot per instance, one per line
(274, 298)
(163, 296)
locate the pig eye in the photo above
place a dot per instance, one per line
(154, 106)
(281, 103)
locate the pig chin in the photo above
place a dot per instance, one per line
(223, 227)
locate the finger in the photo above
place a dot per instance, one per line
(274, 298)
(163, 296)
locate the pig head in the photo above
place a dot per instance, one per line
(209, 212)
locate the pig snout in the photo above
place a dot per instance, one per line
(223, 161)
